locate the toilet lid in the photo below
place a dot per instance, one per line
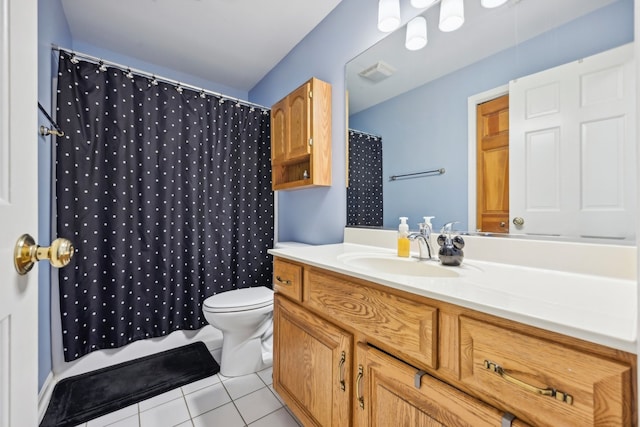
(239, 300)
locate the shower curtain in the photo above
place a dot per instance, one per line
(165, 193)
(364, 193)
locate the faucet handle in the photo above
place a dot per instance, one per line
(425, 228)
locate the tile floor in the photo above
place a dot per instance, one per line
(214, 401)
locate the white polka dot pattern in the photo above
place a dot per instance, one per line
(364, 194)
(167, 198)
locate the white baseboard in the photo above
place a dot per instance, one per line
(45, 395)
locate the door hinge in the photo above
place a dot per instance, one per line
(310, 141)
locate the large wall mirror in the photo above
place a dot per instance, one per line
(415, 106)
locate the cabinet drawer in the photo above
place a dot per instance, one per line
(287, 279)
(393, 393)
(402, 326)
(516, 371)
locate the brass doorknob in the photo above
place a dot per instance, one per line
(27, 253)
(518, 221)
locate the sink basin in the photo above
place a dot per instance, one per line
(391, 264)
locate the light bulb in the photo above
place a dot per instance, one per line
(388, 15)
(451, 15)
(416, 33)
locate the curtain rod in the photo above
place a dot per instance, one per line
(366, 133)
(96, 60)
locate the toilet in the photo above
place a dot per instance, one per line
(245, 317)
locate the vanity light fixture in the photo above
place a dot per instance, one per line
(416, 37)
(422, 4)
(451, 15)
(489, 4)
(388, 15)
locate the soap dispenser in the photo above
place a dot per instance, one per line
(403, 238)
(450, 252)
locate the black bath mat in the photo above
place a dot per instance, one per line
(78, 399)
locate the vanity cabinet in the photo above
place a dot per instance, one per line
(301, 137)
(352, 352)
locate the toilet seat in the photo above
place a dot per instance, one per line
(239, 300)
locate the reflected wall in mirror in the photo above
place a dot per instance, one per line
(421, 111)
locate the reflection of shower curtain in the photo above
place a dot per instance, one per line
(167, 198)
(364, 194)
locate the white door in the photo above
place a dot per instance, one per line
(18, 211)
(573, 157)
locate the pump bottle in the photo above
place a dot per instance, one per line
(403, 238)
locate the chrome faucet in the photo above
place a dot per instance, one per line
(424, 240)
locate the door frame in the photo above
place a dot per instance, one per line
(472, 102)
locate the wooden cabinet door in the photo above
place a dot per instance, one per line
(388, 394)
(279, 131)
(311, 365)
(299, 115)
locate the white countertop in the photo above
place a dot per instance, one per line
(594, 308)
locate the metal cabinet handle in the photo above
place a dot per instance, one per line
(359, 384)
(551, 392)
(283, 281)
(343, 359)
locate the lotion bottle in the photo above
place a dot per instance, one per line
(403, 238)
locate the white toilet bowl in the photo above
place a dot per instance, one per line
(245, 317)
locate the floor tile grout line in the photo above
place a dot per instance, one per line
(265, 415)
(233, 402)
(184, 397)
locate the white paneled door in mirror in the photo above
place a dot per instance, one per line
(574, 152)
(18, 211)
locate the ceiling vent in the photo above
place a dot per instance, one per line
(377, 72)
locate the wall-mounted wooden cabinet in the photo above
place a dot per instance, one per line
(301, 137)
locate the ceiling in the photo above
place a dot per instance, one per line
(484, 33)
(230, 42)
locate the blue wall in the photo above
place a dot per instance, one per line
(426, 128)
(318, 215)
